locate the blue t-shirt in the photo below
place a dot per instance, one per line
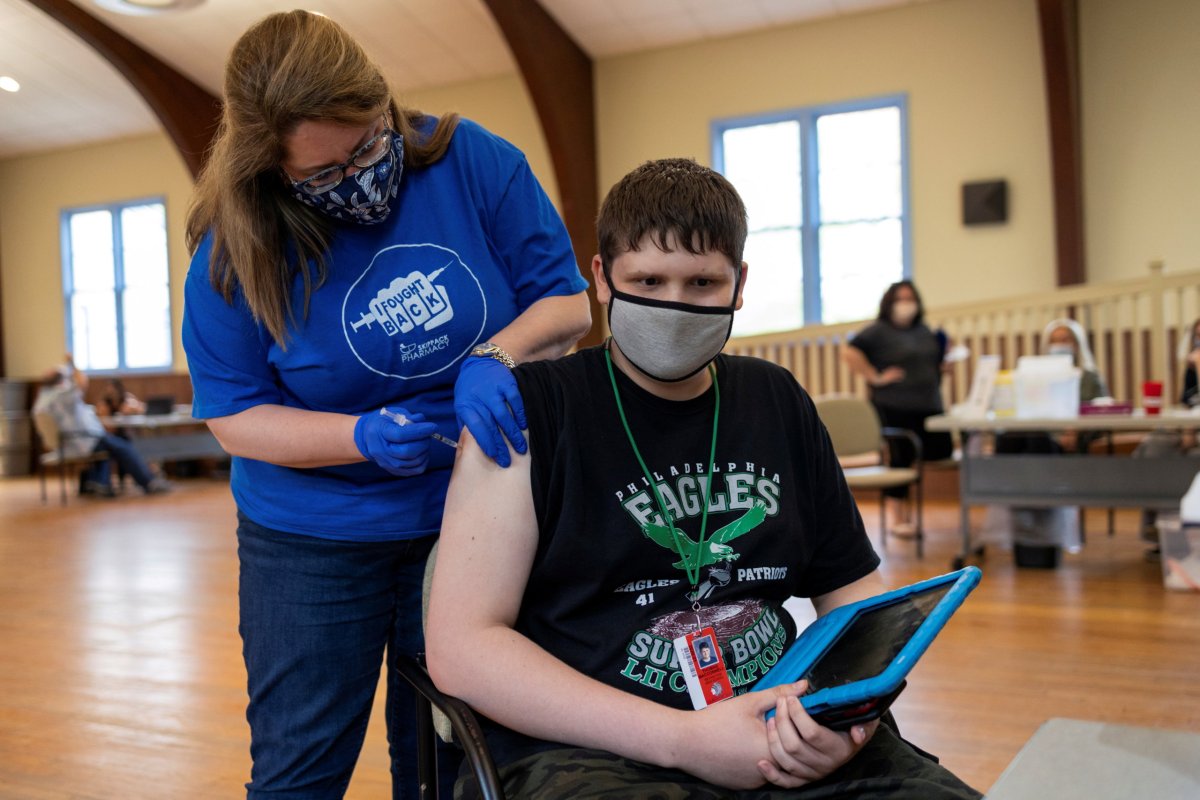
(471, 242)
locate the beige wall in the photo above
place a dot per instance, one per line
(33, 193)
(35, 189)
(972, 73)
(503, 107)
(1141, 134)
(971, 70)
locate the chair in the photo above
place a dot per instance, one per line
(53, 444)
(452, 720)
(448, 717)
(860, 444)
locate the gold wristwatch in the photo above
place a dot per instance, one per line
(493, 350)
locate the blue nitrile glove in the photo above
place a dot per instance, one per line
(399, 449)
(488, 403)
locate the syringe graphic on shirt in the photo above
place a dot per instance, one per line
(407, 302)
(400, 419)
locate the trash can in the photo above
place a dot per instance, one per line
(1179, 545)
(1038, 535)
(16, 432)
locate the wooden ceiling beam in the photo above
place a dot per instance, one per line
(1059, 24)
(187, 111)
(558, 75)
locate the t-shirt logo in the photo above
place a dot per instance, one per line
(408, 302)
(716, 547)
(412, 313)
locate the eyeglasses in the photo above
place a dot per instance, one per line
(366, 156)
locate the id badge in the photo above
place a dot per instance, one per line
(703, 668)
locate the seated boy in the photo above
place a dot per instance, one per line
(667, 490)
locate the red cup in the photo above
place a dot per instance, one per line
(1152, 397)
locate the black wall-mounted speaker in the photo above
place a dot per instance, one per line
(984, 202)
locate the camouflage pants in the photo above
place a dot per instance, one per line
(888, 768)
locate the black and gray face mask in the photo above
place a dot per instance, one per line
(668, 341)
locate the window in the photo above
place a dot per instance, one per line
(826, 189)
(118, 306)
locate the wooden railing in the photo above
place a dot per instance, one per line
(1135, 328)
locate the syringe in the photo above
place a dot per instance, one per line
(400, 419)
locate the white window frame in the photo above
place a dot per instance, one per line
(68, 281)
(810, 223)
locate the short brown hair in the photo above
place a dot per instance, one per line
(672, 196)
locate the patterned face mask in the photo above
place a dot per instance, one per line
(364, 197)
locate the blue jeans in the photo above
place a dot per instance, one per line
(317, 616)
(121, 451)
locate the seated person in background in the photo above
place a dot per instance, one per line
(667, 489)
(1162, 443)
(1039, 533)
(1062, 337)
(61, 398)
(1067, 337)
(1190, 396)
(118, 400)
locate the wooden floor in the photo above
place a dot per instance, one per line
(121, 671)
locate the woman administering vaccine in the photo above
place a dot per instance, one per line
(900, 359)
(363, 279)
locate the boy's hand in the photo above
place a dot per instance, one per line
(729, 744)
(802, 750)
(724, 743)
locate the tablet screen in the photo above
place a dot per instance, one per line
(873, 640)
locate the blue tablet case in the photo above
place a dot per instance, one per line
(803, 657)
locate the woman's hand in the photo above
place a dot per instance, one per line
(401, 449)
(802, 750)
(887, 376)
(488, 403)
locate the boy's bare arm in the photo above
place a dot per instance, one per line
(489, 536)
(865, 587)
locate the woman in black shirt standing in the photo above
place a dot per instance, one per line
(900, 358)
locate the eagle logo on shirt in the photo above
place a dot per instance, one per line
(716, 548)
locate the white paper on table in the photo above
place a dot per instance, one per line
(982, 385)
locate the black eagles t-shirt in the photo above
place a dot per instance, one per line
(608, 590)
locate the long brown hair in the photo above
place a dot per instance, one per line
(889, 299)
(286, 69)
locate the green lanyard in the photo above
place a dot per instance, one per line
(692, 564)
